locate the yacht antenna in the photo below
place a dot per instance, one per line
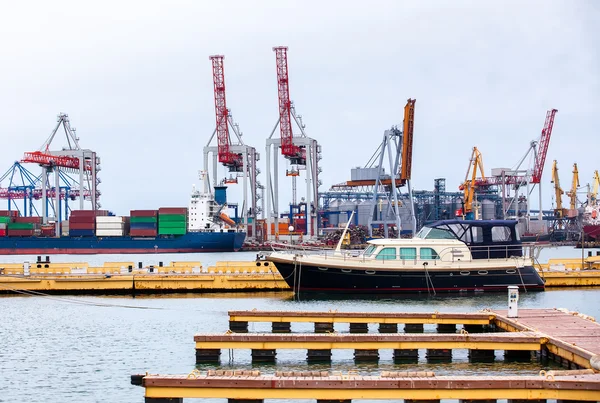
(338, 248)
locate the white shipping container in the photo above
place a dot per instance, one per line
(109, 219)
(109, 232)
(2, 226)
(110, 226)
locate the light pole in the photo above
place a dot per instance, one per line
(291, 230)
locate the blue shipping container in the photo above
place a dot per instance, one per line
(81, 232)
(143, 225)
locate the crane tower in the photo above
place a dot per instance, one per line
(239, 158)
(302, 152)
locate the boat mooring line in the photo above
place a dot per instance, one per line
(72, 301)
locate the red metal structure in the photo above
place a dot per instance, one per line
(38, 157)
(226, 157)
(288, 148)
(543, 146)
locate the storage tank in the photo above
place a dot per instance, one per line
(334, 219)
(364, 212)
(488, 210)
(346, 207)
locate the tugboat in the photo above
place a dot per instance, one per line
(446, 256)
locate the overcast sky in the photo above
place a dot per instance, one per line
(136, 81)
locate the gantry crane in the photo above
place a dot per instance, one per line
(301, 151)
(558, 192)
(574, 185)
(71, 158)
(471, 183)
(239, 158)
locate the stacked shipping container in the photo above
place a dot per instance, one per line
(172, 220)
(6, 217)
(143, 223)
(83, 222)
(112, 226)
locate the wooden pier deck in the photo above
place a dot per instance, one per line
(475, 318)
(569, 338)
(345, 387)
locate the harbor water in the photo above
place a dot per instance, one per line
(84, 349)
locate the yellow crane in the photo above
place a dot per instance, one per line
(469, 184)
(574, 185)
(558, 192)
(594, 194)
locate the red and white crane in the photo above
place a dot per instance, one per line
(239, 158)
(301, 151)
(70, 158)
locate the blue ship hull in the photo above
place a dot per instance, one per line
(191, 242)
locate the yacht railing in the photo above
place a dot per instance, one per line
(448, 254)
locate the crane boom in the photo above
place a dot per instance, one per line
(469, 185)
(574, 185)
(226, 157)
(558, 192)
(407, 141)
(543, 146)
(288, 149)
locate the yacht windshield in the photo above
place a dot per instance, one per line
(434, 233)
(369, 251)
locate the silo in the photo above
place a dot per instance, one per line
(488, 210)
(345, 208)
(522, 206)
(364, 212)
(334, 218)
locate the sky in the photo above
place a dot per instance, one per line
(135, 79)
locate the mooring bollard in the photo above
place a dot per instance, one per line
(513, 301)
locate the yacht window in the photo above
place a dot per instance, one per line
(501, 234)
(477, 234)
(387, 254)
(428, 254)
(438, 233)
(408, 253)
(369, 251)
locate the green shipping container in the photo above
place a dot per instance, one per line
(5, 220)
(172, 231)
(172, 224)
(20, 225)
(172, 218)
(142, 219)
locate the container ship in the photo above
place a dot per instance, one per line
(201, 227)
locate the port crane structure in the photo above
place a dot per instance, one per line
(508, 179)
(302, 153)
(239, 159)
(469, 184)
(397, 145)
(574, 186)
(65, 164)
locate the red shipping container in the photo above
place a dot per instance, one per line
(88, 213)
(82, 225)
(2, 232)
(11, 213)
(20, 232)
(82, 219)
(34, 220)
(172, 210)
(143, 213)
(143, 232)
